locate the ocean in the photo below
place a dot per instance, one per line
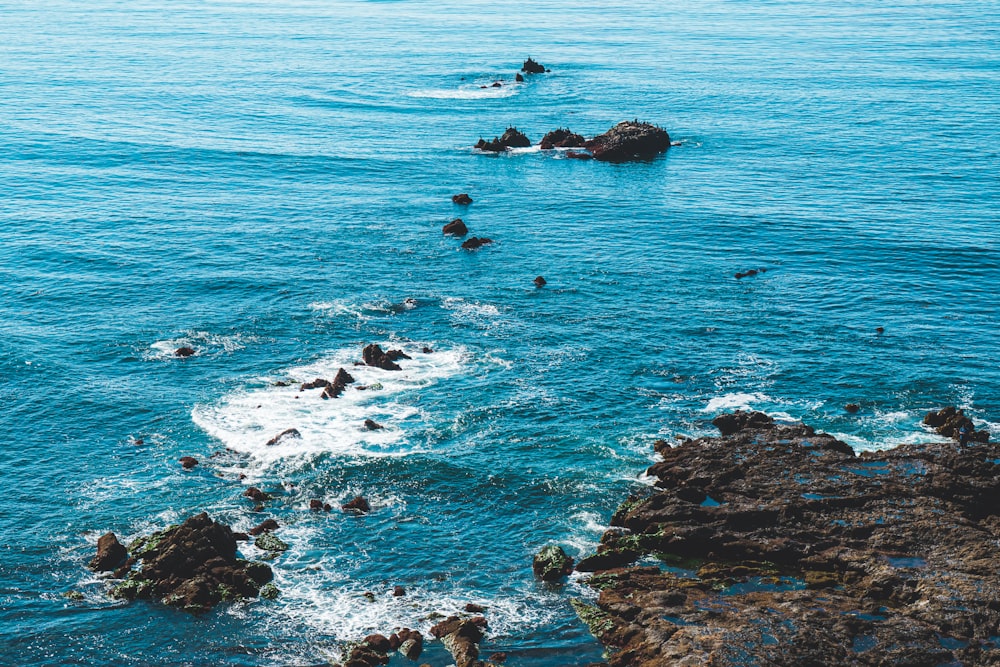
(266, 182)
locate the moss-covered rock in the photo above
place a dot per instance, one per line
(551, 563)
(269, 542)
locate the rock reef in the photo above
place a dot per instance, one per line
(193, 566)
(629, 140)
(775, 544)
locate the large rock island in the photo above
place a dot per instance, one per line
(777, 545)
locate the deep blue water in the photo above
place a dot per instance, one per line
(266, 182)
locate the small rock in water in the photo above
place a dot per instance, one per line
(358, 505)
(474, 608)
(110, 553)
(371, 425)
(265, 526)
(518, 78)
(746, 274)
(188, 462)
(511, 138)
(427, 350)
(462, 199)
(629, 140)
(315, 384)
(184, 351)
(539, 281)
(398, 591)
(455, 228)
(255, 494)
(374, 355)
(561, 138)
(475, 243)
(551, 563)
(530, 66)
(576, 155)
(497, 84)
(880, 330)
(286, 434)
(852, 408)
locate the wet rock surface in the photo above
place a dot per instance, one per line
(562, 138)
(629, 140)
(193, 566)
(455, 228)
(774, 544)
(530, 66)
(551, 563)
(475, 243)
(951, 422)
(511, 138)
(110, 553)
(374, 355)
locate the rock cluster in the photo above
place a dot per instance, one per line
(629, 140)
(530, 66)
(775, 544)
(461, 636)
(511, 138)
(193, 566)
(373, 355)
(561, 139)
(951, 422)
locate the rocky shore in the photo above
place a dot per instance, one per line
(777, 545)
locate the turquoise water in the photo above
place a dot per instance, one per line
(266, 182)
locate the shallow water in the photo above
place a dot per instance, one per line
(266, 182)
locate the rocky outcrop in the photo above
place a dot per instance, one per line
(475, 243)
(357, 505)
(778, 545)
(287, 434)
(951, 422)
(511, 138)
(455, 228)
(374, 355)
(461, 636)
(561, 138)
(110, 554)
(532, 67)
(193, 566)
(629, 140)
(551, 563)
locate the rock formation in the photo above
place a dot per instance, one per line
(511, 138)
(455, 228)
(475, 243)
(777, 545)
(374, 355)
(561, 139)
(532, 67)
(193, 566)
(629, 140)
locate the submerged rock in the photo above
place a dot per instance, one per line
(539, 281)
(629, 140)
(358, 505)
(184, 352)
(475, 243)
(551, 563)
(798, 548)
(193, 566)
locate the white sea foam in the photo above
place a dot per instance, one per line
(471, 91)
(736, 401)
(246, 420)
(202, 342)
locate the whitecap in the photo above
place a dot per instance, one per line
(736, 401)
(202, 342)
(469, 92)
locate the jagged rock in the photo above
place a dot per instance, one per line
(461, 637)
(532, 67)
(110, 553)
(461, 199)
(519, 78)
(184, 352)
(561, 138)
(576, 155)
(475, 243)
(188, 462)
(798, 547)
(286, 434)
(455, 228)
(629, 140)
(192, 566)
(374, 355)
(511, 138)
(315, 384)
(371, 425)
(358, 505)
(255, 494)
(951, 422)
(551, 563)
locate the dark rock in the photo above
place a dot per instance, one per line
(393, 355)
(880, 330)
(629, 140)
(184, 352)
(241, 537)
(379, 643)
(358, 505)
(746, 274)
(411, 643)
(951, 422)
(473, 608)
(316, 505)
(427, 350)
(398, 591)
(497, 84)
(576, 155)
(374, 355)
(852, 408)
(269, 542)
(332, 391)
(188, 462)
(475, 243)
(343, 378)
(110, 554)
(372, 425)
(461, 637)
(255, 494)
(532, 67)
(729, 424)
(286, 434)
(280, 383)
(562, 138)
(192, 566)
(803, 549)
(315, 384)
(519, 78)
(265, 526)
(498, 658)
(461, 199)
(511, 138)
(456, 228)
(607, 560)
(539, 281)
(551, 563)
